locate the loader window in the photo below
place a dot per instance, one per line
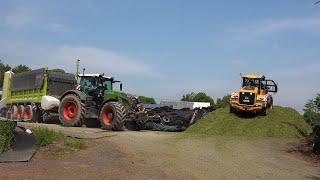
(250, 83)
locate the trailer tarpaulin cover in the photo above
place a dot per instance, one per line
(59, 82)
(28, 80)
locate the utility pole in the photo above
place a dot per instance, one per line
(78, 63)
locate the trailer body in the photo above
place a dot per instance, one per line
(27, 94)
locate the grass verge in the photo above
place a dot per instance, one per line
(6, 133)
(57, 144)
(281, 122)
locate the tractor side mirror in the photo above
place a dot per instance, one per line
(120, 86)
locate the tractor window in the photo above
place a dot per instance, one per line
(107, 85)
(88, 83)
(250, 83)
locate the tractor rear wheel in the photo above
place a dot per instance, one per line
(112, 116)
(71, 111)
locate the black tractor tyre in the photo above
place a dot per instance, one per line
(72, 111)
(112, 116)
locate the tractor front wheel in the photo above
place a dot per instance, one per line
(71, 111)
(112, 116)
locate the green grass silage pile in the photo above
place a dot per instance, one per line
(281, 122)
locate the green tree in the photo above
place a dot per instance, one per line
(198, 97)
(223, 102)
(312, 111)
(3, 68)
(21, 68)
(188, 97)
(146, 100)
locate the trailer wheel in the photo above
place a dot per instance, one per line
(112, 116)
(20, 113)
(12, 112)
(28, 113)
(71, 111)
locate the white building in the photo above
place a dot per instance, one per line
(185, 104)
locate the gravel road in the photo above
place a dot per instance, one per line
(161, 155)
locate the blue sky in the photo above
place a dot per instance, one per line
(167, 48)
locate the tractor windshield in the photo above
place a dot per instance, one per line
(250, 84)
(88, 83)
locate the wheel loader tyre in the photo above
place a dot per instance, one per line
(263, 112)
(71, 111)
(28, 113)
(112, 116)
(20, 113)
(232, 109)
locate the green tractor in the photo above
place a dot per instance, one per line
(95, 98)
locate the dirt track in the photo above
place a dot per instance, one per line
(158, 155)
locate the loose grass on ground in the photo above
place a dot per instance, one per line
(57, 144)
(6, 133)
(281, 122)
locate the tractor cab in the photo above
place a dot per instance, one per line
(92, 82)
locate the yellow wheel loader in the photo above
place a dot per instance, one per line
(253, 96)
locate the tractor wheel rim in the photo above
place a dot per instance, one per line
(70, 111)
(107, 116)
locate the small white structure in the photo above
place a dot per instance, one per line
(185, 104)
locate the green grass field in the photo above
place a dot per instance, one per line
(6, 132)
(281, 122)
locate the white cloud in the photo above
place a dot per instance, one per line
(93, 59)
(267, 27)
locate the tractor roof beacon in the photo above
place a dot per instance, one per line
(254, 95)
